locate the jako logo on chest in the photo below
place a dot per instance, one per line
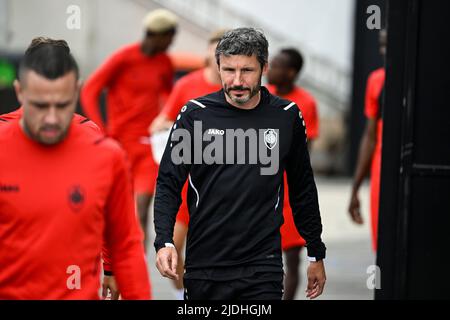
(216, 132)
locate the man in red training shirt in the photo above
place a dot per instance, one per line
(195, 84)
(284, 70)
(369, 156)
(109, 286)
(65, 192)
(137, 78)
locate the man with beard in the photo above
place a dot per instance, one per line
(194, 84)
(65, 191)
(233, 246)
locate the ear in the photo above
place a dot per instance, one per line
(79, 84)
(292, 74)
(18, 89)
(265, 68)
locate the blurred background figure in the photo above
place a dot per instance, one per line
(192, 85)
(284, 70)
(138, 78)
(369, 156)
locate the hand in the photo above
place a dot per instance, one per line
(316, 279)
(166, 262)
(110, 286)
(159, 124)
(354, 209)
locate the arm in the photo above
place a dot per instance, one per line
(160, 123)
(312, 124)
(367, 146)
(123, 236)
(170, 110)
(366, 150)
(109, 284)
(167, 84)
(171, 178)
(305, 207)
(95, 84)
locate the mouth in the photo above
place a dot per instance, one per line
(50, 133)
(239, 92)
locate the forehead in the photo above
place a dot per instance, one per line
(37, 84)
(281, 59)
(160, 36)
(239, 60)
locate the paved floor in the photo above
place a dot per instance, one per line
(349, 252)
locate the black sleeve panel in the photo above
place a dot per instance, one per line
(302, 190)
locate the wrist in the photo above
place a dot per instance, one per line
(159, 245)
(314, 259)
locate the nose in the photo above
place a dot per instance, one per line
(51, 116)
(237, 79)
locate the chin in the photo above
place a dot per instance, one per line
(241, 100)
(50, 142)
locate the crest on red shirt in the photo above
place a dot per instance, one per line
(77, 197)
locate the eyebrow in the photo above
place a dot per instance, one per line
(243, 67)
(42, 103)
(36, 102)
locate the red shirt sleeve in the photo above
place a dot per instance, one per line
(371, 99)
(124, 249)
(167, 83)
(312, 120)
(95, 84)
(308, 106)
(174, 102)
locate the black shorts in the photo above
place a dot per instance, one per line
(259, 286)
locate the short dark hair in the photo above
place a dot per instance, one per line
(49, 58)
(244, 41)
(295, 58)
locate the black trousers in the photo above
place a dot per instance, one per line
(259, 286)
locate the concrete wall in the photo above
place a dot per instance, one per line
(325, 27)
(106, 25)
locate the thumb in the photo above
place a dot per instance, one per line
(311, 279)
(310, 285)
(174, 262)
